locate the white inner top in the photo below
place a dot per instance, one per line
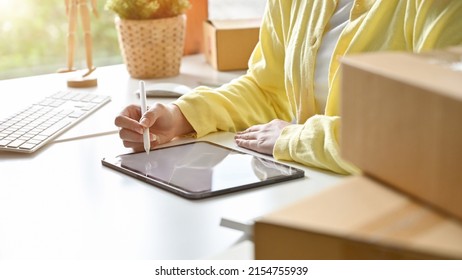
(336, 25)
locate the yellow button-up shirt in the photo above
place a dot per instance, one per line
(279, 83)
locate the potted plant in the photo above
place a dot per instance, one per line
(151, 35)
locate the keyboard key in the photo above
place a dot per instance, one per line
(27, 146)
(4, 142)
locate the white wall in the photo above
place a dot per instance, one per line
(236, 9)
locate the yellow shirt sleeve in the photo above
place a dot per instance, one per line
(314, 143)
(254, 98)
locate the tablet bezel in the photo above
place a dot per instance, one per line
(115, 163)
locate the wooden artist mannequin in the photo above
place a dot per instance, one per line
(74, 8)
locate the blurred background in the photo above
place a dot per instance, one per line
(33, 34)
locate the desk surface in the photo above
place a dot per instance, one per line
(61, 203)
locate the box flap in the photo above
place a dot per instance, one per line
(435, 71)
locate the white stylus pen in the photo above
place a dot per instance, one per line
(146, 141)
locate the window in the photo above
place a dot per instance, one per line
(33, 38)
(33, 34)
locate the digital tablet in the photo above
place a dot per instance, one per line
(202, 169)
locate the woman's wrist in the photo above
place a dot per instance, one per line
(183, 126)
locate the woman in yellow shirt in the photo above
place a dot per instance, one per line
(287, 104)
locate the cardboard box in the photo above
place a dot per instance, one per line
(358, 219)
(402, 122)
(229, 43)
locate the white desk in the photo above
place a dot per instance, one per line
(61, 203)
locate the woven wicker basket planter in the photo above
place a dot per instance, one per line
(152, 48)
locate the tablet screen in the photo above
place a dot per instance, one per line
(201, 169)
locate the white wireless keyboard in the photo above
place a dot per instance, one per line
(28, 130)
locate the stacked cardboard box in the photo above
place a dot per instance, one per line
(229, 43)
(358, 219)
(402, 125)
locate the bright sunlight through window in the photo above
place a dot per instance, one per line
(33, 38)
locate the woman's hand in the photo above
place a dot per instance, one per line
(261, 138)
(165, 122)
